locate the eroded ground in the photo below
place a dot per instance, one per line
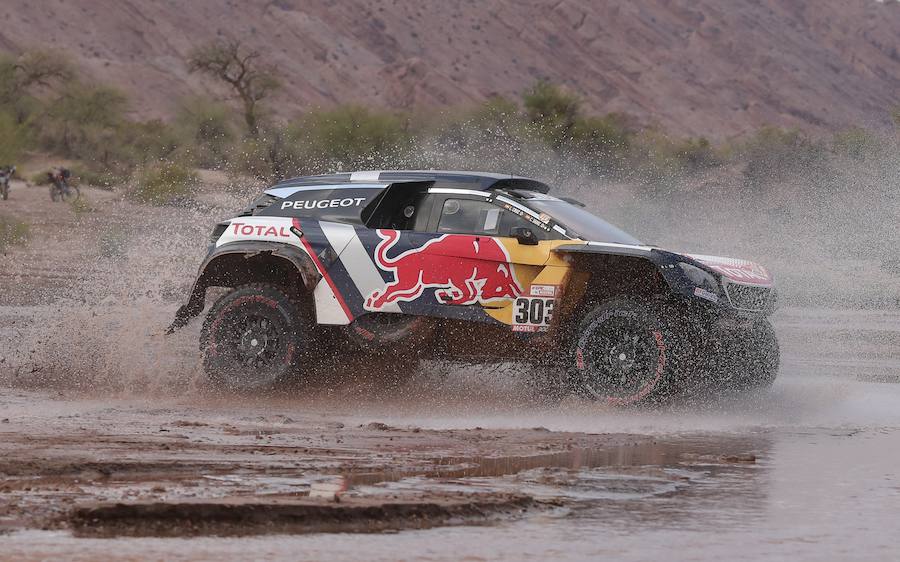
(227, 464)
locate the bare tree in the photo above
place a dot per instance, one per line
(240, 68)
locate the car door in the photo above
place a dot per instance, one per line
(528, 304)
(454, 258)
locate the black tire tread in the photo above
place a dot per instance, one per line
(271, 290)
(677, 347)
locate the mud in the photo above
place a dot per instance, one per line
(277, 516)
(63, 460)
(183, 468)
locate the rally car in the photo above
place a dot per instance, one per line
(411, 265)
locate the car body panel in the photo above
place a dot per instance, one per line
(455, 276)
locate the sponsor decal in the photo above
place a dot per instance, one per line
(533, 220)
(463, 269)
(543, 290)
(533, 314)
(242, 229)
(704, 294)
(323, 203)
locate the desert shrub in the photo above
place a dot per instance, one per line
(26, 81)
(552, 111)
(497, 121)
(7, 79)
(856, 143)
(773, 154)
(96, 176)
(84, 123)
(146, 141)
(250, 157)
(348, 137)
(208, 131)
(12, 139)
(12, 232)
(602, 140)
(39, 178)
(656, 157)
(163, 183)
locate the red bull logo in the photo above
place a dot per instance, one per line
(463, 269)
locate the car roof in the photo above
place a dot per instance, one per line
(479, 181)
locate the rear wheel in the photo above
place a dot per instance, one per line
(624, 353)
(252, 337)
(4, 190)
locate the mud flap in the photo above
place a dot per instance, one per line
(185, 312)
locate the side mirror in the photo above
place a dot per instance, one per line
(524, 236)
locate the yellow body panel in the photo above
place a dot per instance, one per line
(533, 265)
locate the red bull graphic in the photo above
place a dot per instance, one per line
(463, 269)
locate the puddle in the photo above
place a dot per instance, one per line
(697, 450)
(577, 477)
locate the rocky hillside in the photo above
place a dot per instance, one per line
(692, 66)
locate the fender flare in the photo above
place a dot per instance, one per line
(248, 249)
(664, 261)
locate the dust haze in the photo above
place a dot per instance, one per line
(828, 235)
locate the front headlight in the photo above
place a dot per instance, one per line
(701, 278)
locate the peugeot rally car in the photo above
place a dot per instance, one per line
(399, 266)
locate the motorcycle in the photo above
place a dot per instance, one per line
(60, 190)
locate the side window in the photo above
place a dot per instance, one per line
(398, 213)
(470, 216)
(510, 221)
(467, 216)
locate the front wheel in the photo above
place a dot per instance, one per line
(624, 352)
(252, 337)
(4, 190)
(71, 194)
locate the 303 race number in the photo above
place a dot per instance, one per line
(532, 314)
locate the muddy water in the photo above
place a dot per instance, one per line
(812, 494)
(807, 471)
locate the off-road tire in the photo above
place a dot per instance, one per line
(625, 352)
(4, 190)
(253, 337)
(74, 194)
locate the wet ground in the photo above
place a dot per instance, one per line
(806, 471)
(111, 446)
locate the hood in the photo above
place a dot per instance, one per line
(737, 270)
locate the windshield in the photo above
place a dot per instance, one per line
(583, 223)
